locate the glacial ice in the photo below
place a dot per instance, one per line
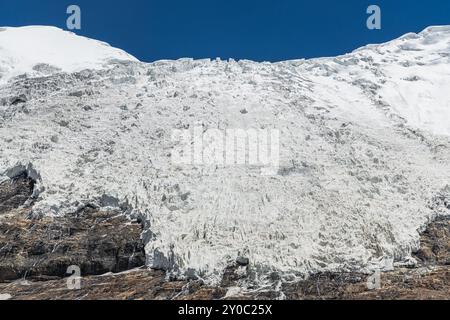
(364, 149)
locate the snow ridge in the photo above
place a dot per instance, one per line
(41, 50)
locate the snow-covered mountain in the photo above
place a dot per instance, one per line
(364, 149)
(40, 50)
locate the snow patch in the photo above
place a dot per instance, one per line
(5, 296)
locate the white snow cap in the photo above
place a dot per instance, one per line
(22, 48)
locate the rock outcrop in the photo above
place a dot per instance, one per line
(15, 192)
(43, 248)
(435, 244)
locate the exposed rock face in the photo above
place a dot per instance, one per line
(148, 284)
(134, 285)
(14, 193)
(97, 242)
(400, 284)
(435, 243)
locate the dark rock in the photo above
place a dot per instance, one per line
(151, 284)
(18, 99)
(139, 284)
(231, 276)
(275, 276)
(242, 261)
(184, 196)
(77, 94)
(97, 242)
(15, 192)
(435, 243)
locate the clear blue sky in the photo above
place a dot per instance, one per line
(262, 30)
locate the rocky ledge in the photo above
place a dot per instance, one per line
(44, 248)
(35, 254)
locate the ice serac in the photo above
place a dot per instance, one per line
(364, 152)
(41, 50)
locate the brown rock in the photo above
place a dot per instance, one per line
(15, 192)
(97, 242)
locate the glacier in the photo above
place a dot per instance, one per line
(364, 149)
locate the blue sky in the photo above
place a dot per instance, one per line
(262, 30)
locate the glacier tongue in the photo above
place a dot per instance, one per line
(364, 151)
